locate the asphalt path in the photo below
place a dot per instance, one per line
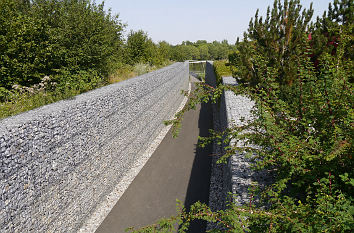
(176, 170)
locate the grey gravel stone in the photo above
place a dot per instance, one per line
(235, 177)
(58, 162)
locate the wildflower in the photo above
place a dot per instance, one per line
(16, 86)
(45, 78)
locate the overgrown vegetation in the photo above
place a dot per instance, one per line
(72, 45)
(57, 39)
(222, 68)
(300, 75)
(79, 46)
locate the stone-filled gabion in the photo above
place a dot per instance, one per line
(59, 161)
(235, 177)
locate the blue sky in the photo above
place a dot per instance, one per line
(179, 20)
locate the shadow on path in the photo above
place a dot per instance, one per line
(176, 170)
(199, 182)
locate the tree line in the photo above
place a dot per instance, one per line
(67, 38)
(140, 48)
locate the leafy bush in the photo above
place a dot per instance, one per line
(75, 43)
(302, 124)
(22, 46)
(4, 94)
(47, 37)
(306, 144)
(23, 98)
(222, 69)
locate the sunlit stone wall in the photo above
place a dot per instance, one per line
(60, 161)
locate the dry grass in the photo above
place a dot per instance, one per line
(127, 71)
(121, 76)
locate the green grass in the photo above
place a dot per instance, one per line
(24, 102)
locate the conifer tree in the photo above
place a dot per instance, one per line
(341, 11)
(280, 36)
(325, 36)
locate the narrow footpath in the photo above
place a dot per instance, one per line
(176, 170)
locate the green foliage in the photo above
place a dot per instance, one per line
(22, 98)
(140, 49)
(74, 43)
(222, 69)
(185, 52)
(201, 50)
(137, 47)
(303, 126)
(49, 37)
(325, 31)
(21, 45)
(341, 12)
(279, 37)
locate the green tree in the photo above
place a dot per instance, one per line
(23, 45)
(164, 50)
(58, 38)
(218, 51)
(341, 11)
(153, 55)
(203, 51)
(304, 134)
(279, 36)
(325, 31)
(137, 47)
(180, 53)
(213, 50)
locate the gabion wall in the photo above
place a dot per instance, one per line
(59, 161)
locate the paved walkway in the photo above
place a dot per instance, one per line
(176, 170)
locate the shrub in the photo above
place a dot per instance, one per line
(49, 37)
(303, 126)
(222, 69)
(279, 37)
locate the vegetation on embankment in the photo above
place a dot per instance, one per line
(52, 50)
(222, 68)
(300, 74)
